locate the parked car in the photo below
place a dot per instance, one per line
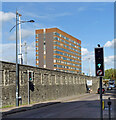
(111, 83)
(103, 90)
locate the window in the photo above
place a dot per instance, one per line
(55, 47)
(56, 38)
(37, 44)
(55, 33)
(36, 48)
(37, 57)
(55, 65)
(62, 40)
(37, 39)
(67, 38)
(37, 35)
(62, 36)
(44, 48)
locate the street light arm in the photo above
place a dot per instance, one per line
(27, 21)
(20, 23)
(14, 27)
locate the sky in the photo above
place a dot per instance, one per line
(90, 22)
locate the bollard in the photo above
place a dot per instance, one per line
(103, 105)
(109, 103)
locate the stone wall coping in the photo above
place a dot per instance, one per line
(5, 62)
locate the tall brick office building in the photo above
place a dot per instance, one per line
(58, 50)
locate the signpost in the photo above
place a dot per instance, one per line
(99, 66)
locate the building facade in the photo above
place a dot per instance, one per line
(57, 50)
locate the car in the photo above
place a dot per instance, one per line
(103, 90)
(109, 88)
(111, 83)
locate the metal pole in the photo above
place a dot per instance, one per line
(20, 54)
(109, 104)
(109, 113)
(25, 53)
(101, 111)
(28, 94)
(17, 80)
(28, 90)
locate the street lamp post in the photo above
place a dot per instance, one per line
(17, 78)
(17, 68)
(20, 53)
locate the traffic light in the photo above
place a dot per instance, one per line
(99, 61)
(30, 76)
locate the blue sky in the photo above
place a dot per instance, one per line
(91, 22)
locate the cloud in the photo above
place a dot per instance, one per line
(54, 16)
(31, 47)
(109, 60)
(31, 53)
(84, 51)
(87, 57)
(48, 16)
(87, 54)
(6, 16)
(8, 53)
(25, 34)
(81, 9)
(110, 44)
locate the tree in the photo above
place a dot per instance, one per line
(110, 74)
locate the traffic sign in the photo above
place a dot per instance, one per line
(99, 72)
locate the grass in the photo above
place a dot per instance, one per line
(7, 106)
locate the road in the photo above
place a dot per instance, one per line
(87, 106)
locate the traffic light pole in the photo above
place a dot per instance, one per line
(101, 111)
(30, 78)
(99, 66)
(28, 89)
(28, 93)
